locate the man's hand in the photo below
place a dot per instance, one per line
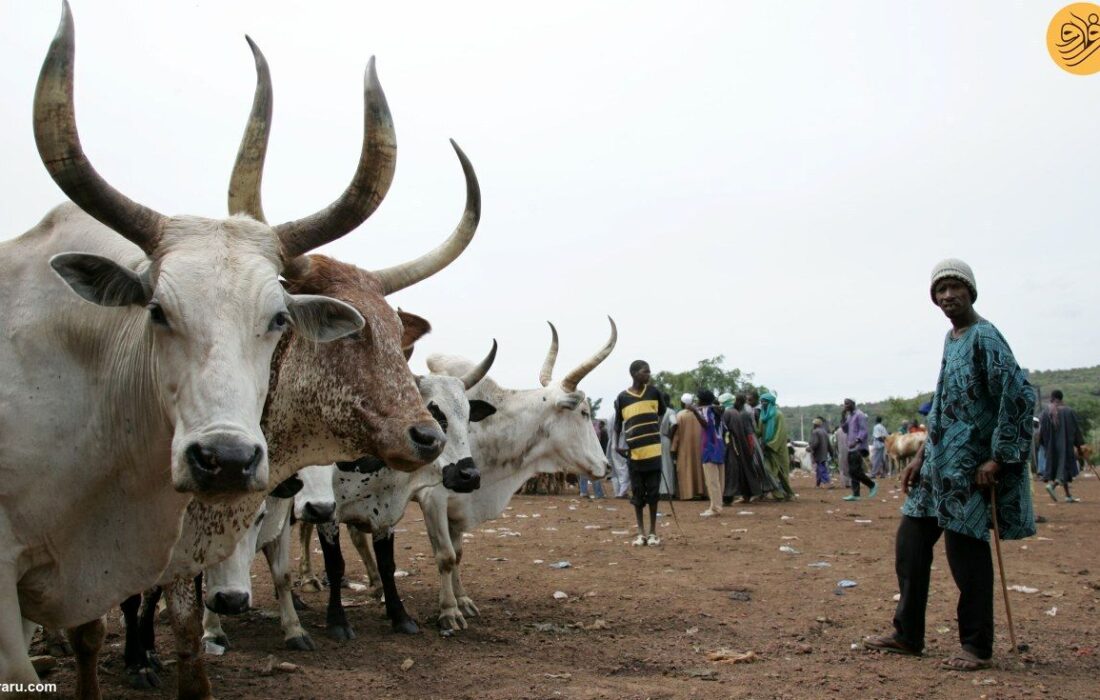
(911, 476)
(987, 474)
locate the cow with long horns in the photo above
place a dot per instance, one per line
(326, 403)
(122, 410)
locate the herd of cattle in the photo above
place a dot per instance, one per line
(170, 384)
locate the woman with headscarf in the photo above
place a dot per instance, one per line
(772, 429)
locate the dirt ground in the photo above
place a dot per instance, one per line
(723, 583)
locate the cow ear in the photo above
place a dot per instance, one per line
(101, 280)
(323, 319)
(288, 488)
(480, 410)
(414, 328)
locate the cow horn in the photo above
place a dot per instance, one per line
(478, 373)
(368, 187)
(571, 380)
(59, 147)
(547, 372)
(409, 273)
(248, 170)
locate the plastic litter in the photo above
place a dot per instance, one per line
(787, 549)
(846, 583)
(1053, 611)
(560, 595)
(1023, 589)
(563, 564)
(820, 565)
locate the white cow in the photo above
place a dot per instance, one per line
(326, 403)
(544, 430)
(365, 495)
(114, 413)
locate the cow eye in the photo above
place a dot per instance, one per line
(279, 322)
(156, 314)
(438, 415)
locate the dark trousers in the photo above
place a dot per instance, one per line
(856, 473)
(972, 568)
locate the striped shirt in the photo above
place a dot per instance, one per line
(637, 418)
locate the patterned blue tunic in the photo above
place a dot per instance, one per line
(982, 410)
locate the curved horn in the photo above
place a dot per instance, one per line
(547, 372)
(409, 273)
(367, 189)
(478, 373)
(248, 171)
(571, 380)
(59, 146)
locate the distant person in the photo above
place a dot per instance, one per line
(687, 448)
(1060, 440)
(667, 427)
(840, 440)
(600, 426)
(979, 436)
(819, 453)
(746, 477)
(713, 450)
(858, 450)
(772, 431)
(878, 449)
(638, 411)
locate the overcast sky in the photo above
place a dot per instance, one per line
(772, 182)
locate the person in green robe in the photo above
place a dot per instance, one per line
(772, 430)
(979, 437)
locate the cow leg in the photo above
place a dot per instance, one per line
(15, 662)
(183, 613)
(140, 672)
(374, 579)
(336, 620)
(147, 626)
(87, 640)
(465, 603)
(277, 552)
(212, 632)
(306, 578)
(435, 520)
(395, 610)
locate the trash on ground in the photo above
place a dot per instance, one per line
(563, 564)
(897, 597)
(820, 565)
(787, 549)
(729, 656)
(560, 595)
(1023, 589)
(620, 532)
(407, 664)
(742, 596)
(744, 512)
(703, 674)
(691, 630)
(846, 583)
(593, 527)
(356, 586)
(1053, 611)
(786, 517)
(400, 573)
(558, 676)
(495, 559)
(537, 561)
(863, 520)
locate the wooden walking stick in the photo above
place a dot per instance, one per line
(1001, 567)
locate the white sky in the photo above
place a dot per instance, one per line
(769, 181)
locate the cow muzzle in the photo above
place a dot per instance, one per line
(427, 440)
(462, 477)
(225, 463)
(229, 602)
(317, 512)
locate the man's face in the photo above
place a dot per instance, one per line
(754, 399)
(641, 375)
(953, 297)
(849, 406)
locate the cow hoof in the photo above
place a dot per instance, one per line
(406, 625)
(59, 646)
(215, 645)
(312, 584)
(301, 643)
(466, 605)
(340, 633)
(452, 620)
(142, 678)
(153, 659)
(299, 604)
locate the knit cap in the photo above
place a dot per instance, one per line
(957, 269)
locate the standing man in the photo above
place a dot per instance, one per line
(878, 449)
(856, 420)
(819, 452)
(979, 435)
(687, 450)
(668, 464)
(1060, 440)
(638, 412)
(772, 431)
(713, 450)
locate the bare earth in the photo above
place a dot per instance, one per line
(666, 608)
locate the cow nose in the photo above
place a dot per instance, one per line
(225, 464)
(229, 602)
(318, 512)
(469, 478)
(428, 440)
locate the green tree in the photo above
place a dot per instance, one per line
(709, 374)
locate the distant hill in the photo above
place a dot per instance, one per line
(1081, 387)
